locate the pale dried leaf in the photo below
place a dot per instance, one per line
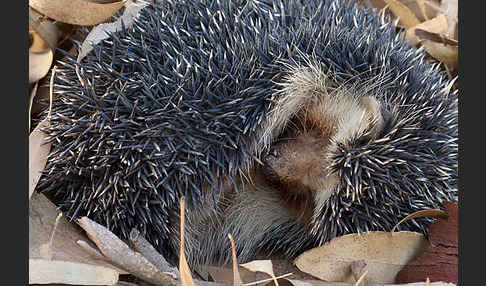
(384, 253)
(42, 221)
(406, 17)
(450, 9)
(121, 255)
(444, 53)
(64, 272)
(264, 266)
(141, 245)
(100, 32)
(38, 152)
(225, 274)
(76, 12)
(186, 277)
(436, 25)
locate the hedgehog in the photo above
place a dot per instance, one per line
(285, 123)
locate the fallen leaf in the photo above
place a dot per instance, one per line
(384, 253)
(438, 262)
(101, 31)
(38, 152)
(406, 17)
(65, 272)
(52, 245)
(450, 9)
(77, 12)
(434, 37)
(122, 256)
(436, 25)
(225, 274)
(264, 266)
(186, 277)
(444, 53)
(236, 275)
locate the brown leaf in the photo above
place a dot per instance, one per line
(449, 8)
(406, 17)
(443, 53)
(434, 37)
(264, 266)
(52, 244)
(186, 277)
(439, 262)
(65, 272)
(436, 25)
(77, 12)
(384, 253)
(236, 275)
(118, 253)
(38, 152)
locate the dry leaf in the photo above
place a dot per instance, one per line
(236, 275)
(436, 25)
(403, 13)
(439, 261)
(64, 272)
(38, 152)
(77, 12)
(449, 8)
(264, 266)
(42, 221)
(100, 32)
(383, 252)
(122, 256)
(225, 274)
(186, 277)
(444, 53)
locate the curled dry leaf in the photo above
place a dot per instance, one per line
(436, 25)
(444, 53)
(384, 253)
(77, 12)
(406, 17)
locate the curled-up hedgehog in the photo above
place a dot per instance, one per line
(284, 122)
